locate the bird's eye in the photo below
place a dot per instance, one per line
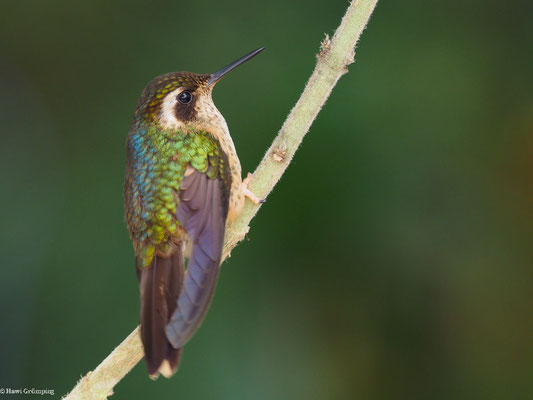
(185, 97)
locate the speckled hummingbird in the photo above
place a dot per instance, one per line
(182, 184)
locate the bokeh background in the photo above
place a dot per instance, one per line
(393, 260)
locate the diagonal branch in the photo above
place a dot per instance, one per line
(333, 59)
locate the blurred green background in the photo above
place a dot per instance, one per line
(393, 260)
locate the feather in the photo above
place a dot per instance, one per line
(202, 212)
(161, 283)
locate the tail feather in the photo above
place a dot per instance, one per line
(161, 283)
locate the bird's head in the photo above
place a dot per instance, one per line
(178, 100)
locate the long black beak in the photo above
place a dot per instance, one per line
(224, 71)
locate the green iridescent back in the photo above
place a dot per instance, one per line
(156, 163)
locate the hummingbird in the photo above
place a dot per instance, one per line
(182, 185)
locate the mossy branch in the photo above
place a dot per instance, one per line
(332, 62)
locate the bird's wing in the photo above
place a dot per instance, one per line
(202, 211)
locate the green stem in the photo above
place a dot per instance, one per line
(333, 59)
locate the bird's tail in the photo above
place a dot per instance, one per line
(160, 283)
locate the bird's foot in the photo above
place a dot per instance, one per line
(248, 193)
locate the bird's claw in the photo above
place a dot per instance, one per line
(248, 193)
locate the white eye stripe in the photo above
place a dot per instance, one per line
(167, 118)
